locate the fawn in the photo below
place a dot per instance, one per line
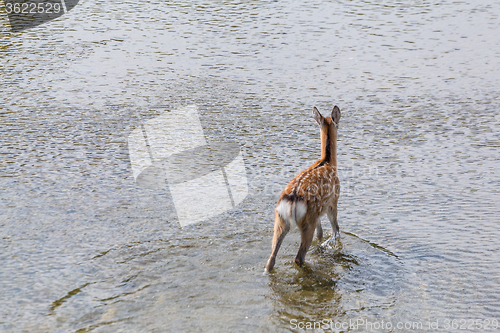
(314, 192)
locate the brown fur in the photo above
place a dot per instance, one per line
(318, 187)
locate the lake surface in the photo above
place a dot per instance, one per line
(83, 248)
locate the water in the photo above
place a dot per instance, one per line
(83, 248)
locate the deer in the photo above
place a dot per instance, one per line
(311, 194)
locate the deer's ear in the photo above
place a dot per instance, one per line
(318, 117)
(336, 114)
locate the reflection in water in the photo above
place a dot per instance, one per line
(338, 283)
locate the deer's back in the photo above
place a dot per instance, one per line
(318, 186)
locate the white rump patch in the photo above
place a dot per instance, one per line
(283, 210)
(292, 212)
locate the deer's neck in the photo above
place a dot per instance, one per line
(329, 146)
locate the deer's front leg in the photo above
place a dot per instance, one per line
(319, 230)
(332, 216)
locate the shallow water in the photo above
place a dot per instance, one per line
(83, 248)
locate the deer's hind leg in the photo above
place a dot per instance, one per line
(306, 236)
(281, 228)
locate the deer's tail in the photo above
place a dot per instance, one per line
(292, 209)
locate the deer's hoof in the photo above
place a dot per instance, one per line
(330, 242)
